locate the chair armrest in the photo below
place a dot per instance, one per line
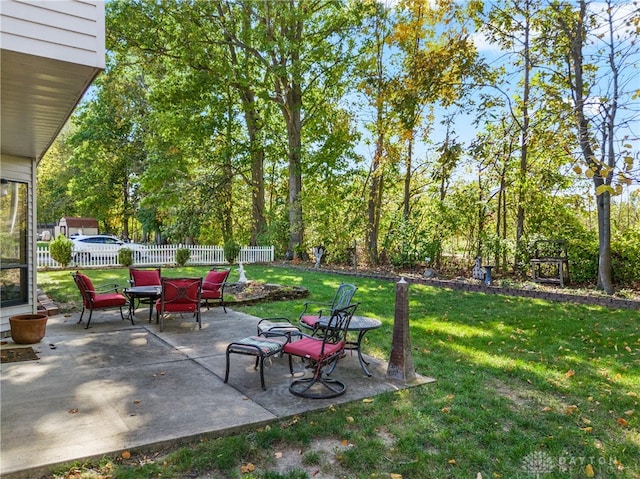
(314, 304)
(107, 288)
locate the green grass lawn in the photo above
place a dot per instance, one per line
(525, 388)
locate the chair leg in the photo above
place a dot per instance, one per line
(327, 387)
(81, 314)
(89, 320)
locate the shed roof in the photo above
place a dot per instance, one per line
(80, 222)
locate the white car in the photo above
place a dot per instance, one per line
(86, 247)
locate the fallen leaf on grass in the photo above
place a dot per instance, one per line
(452, 462)
(571, 409)
(278, 455)
(367, 400)
(570, 373)
(445, 410)
(245, 468)
(126, 455)
(588, 471)
(349, 419)
(622, 421)
(395, 476)
(547, 409)
(630, 412)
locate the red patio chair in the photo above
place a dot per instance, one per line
(213, 286)
(105, 298)
(145, 277)
(321, 353)
(179, 295)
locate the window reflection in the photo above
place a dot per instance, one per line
(13, 242)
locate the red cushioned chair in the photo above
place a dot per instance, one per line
(341, 299)
(105, 298)
(321, 355)
(179, 295)
(145, 277)
(213, 286)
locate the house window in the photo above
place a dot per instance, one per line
(14, 267)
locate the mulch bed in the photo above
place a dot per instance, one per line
(256, 292)
(15, 355)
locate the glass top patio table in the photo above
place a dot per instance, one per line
(151, 293)
(361, 325)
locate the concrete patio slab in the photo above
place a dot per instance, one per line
(118, 386)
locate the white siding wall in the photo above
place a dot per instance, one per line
(23, 170)
(68, 30)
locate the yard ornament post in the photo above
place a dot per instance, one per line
(401, 361)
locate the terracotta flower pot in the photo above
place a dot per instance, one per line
(28, 328)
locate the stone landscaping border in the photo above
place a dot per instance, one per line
(461, 285)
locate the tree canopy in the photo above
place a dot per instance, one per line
(396, 131)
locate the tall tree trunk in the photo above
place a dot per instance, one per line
(375, 200)
(603, 198)
(256, 150)
(524, 138)
(407, 179)
(294, 126)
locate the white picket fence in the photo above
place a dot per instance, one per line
(161, 255)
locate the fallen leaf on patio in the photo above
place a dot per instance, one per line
(278, 455)
(569, 373)
(136, 401)
(74, 410)
(622, 421)
(125, 454)
(588, 471)
(245, 468)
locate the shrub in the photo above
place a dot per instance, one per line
(61, 250)
(125, 257)
(182, 256)
(231, 251)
